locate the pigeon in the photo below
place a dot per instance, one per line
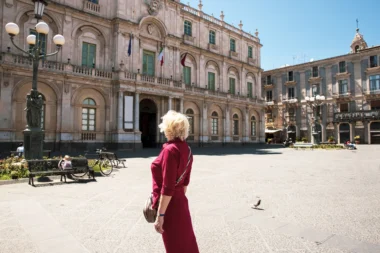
(257, 204)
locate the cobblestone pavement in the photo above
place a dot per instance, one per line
(313, 201)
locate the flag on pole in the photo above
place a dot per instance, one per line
(161, 56)
(130, 45)
(183, 60)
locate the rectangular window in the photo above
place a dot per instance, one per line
(315, 90)
(148, 63)
(88, 119)
(290, 76)
(214, 126)
(374, 83)
(250, 52)
(187, 28)
(187, 75)
(373, 61)
(211, 37)
(235, 127)
(291, 93)
(342, 67)
(375, 105)
(232, 85)
(88, 55)
(249, 89)
(269, 80)
(211, 81)
(343, 107)
(42, 38)
(315, 71)
(269, 95)
(343, 87)
(232, 45)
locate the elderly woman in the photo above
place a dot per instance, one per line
(171, 176)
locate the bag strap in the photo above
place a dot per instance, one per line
(187, 166)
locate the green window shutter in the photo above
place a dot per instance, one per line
(84, 54)
(211, 81)
(187, 75)
(249, 87)
(232, 85)
(91, 55)
(150, 65)
(145, 64)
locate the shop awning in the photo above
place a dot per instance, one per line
(271, 131)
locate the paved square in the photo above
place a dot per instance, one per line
(312, 201)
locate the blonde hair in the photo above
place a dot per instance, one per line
(175, 125)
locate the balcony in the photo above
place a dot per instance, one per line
(188, 39)
(373, 70)
(290, 82)
(342, 97)
(92, 7)
(372, 94)
(234, 54)
(213, 47)
(342, 75)
(144, 83)
(251, 61)
(268, 85)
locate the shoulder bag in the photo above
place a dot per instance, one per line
(150, 213)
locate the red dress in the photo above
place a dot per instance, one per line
(178, 233)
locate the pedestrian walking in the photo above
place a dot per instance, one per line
(171, 176)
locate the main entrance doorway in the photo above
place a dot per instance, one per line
(375, 132)
(148, 123)
(344, 132)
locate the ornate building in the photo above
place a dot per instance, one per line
(107, 86)
(338, 96)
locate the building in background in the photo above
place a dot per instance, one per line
(350, 85)
(125, 64)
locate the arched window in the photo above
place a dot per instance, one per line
(190, 117)
(88, 115)
(187, 28)
(214, 123)
(235, 125)
(356, 49)
(253, 126)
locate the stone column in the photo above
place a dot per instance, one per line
(227, 134)
(352, 131)
(181, 105)
(337, 135)
(170, 100)
(205, 132)
(137, 112)
(366, 132)
(246, 138)
(120, 112)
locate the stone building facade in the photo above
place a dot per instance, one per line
(108, 88)
(350, 84)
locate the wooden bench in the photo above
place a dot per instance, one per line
(51, 167)
(303, 145)
(113, 158)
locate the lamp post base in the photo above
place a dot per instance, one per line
(33, 143)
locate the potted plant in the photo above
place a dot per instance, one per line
(304, 139)
(357, 139)
(331, 139)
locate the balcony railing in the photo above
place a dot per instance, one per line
(358, 116)
(91, 6)
(66, 68)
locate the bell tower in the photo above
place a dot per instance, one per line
(358, 43)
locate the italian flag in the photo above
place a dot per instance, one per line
(161, 56)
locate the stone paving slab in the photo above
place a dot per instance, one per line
(313, 202)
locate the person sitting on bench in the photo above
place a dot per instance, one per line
(20, 150)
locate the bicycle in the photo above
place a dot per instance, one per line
(104, 162)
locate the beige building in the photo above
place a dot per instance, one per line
(350, 86)
(107, 86)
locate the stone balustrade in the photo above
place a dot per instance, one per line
(67, 68)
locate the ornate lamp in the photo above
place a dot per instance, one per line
(39, 7)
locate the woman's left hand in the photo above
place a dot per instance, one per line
(158, 225)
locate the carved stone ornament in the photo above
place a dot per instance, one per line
(153, 6)
(66, 87)
(150, 29)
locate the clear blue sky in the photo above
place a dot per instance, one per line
(303, 29)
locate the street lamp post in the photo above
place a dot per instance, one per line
(315, 126)
(33, 134)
